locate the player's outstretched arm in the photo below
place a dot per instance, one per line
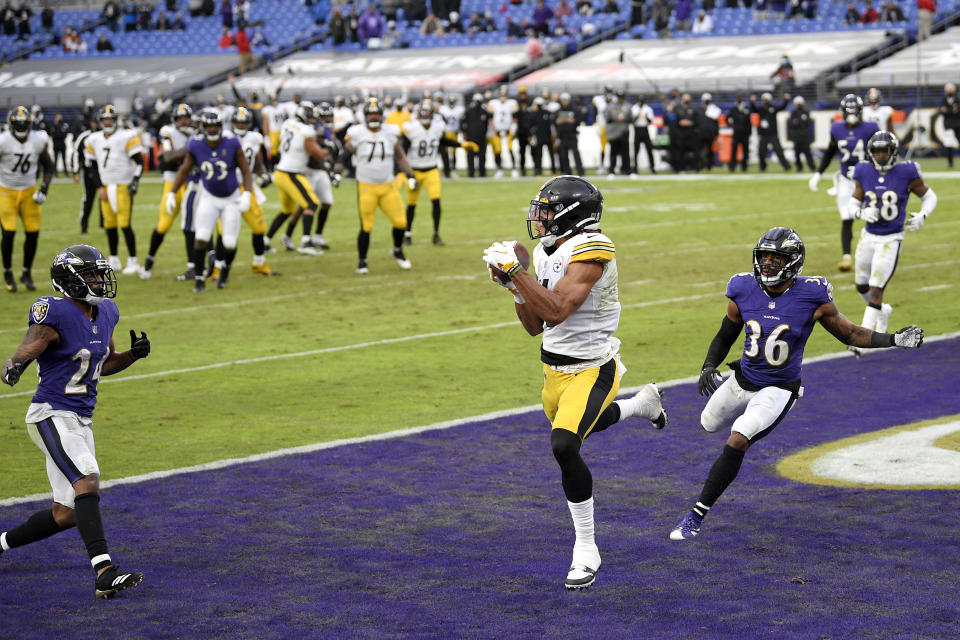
(38, 338)
(139, 348)
(856, 336)
(730, 328)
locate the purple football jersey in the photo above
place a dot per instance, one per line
(218, 165)
(887, 192)
(852, 143)
(777, 328)
(70, 370)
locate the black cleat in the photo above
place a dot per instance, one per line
(199, 286)
(113, 580)
(27, 281)
(8, 280)
(437, 240)
(222, 278)
(189, 274)
(362, 268)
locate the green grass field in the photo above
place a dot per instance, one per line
(321, 353)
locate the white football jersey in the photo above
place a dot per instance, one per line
(452, 117)
(880, 115)
(171, 139)
(19, 160)
(226, 112)
(601, 104)
(343, 117)
(272, 117)
(293, 154)
(502, 112)
(374, 152)
(112, 154)
(250, 142)
(424, 143)
(587, 333)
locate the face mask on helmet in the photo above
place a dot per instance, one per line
(212, 125)
(108, 119)
(19, 121)
(81, 272)
(372, 114)
(882, 150)
(425, 114)
(242, 120)
(325, 111)
(564, 206)
(852, 108)
(306, 112)
(778, 257)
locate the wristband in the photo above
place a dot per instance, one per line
(519, 299)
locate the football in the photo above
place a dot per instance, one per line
(522, 255)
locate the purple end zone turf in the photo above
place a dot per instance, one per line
(464, 533)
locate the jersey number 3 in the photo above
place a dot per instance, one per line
(775, 351)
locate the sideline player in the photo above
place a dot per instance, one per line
(22, 152)
(298, 145)
(117, 155)
(873, 111)
(173, 144)
(503, 110)
(252, 144)
(882, 189)
(71, 338)
(220, 158)
(778, 308)
(848, 136)
(375, 146)
(573, 301)
(427, 140)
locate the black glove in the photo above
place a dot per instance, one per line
(139, 347)
(134, 185)
(11, 374)
(709, 381)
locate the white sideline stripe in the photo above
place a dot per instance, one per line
(935, 287)
(389, 435)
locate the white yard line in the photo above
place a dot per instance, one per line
(389, 435)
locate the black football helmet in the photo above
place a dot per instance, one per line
(306, 112)
(325, 113)
(874, 97)
(183, 117)
(786, 243)
(81, 272)
(19, 120)
(425, 113)
(852, 109)
(565, 205)
(211, 125)
(242, 120)
(108, 112)
(373, 113)
(883, 141)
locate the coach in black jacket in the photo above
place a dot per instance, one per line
(738, 117)
(769, 136)
(798, 130)
(474, 126)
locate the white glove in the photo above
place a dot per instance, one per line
(814, 181)
(909, 337)
(171, 203)
(412, 184)
(39, 196)
(502, 256)
(916, 220)
(335, 179)
(869, 214)
(244, 202)
(508, 284)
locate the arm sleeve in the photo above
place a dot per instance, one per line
(827, 156)
(720, 346)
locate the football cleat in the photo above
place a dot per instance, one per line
(113, 580)
(856, 351)
(647, 403)
(132, 267)
(266, 245)
(145, 274)
(437, 240)
(397, 254)
(319, 242)
(210, 264)
(846, 263)
(189, 274)
(407, 238)
(27, 281)
(362, 268)
(222, 277)
(287, 243)
(580, 576)
(8, 280)
(262, 269)
(306, 248)
(688, 528)
(199, 286)
(115, 263)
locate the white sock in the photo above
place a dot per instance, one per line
(582, 513)
(258, 260)
(870, 317)
(628, 407)
(219, 264)
(883, 319)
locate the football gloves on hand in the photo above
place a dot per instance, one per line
(133, 186)
(709, 382)
(171, 205)
(814, 181)
(244, 202)
(508, 285)
(869, 214)
(11, 372)
(335, 179)
(40, 195)
(139, 347)
(470, 146)
(412, 184)
(916, 220)
(503, 256)
(264, 180)
(909, 337)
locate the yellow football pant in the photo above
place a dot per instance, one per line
(119, 217)
(295, 191)
(574, 401)
(386, 196)
(165, 220)
(17, 203)
(429, 180)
